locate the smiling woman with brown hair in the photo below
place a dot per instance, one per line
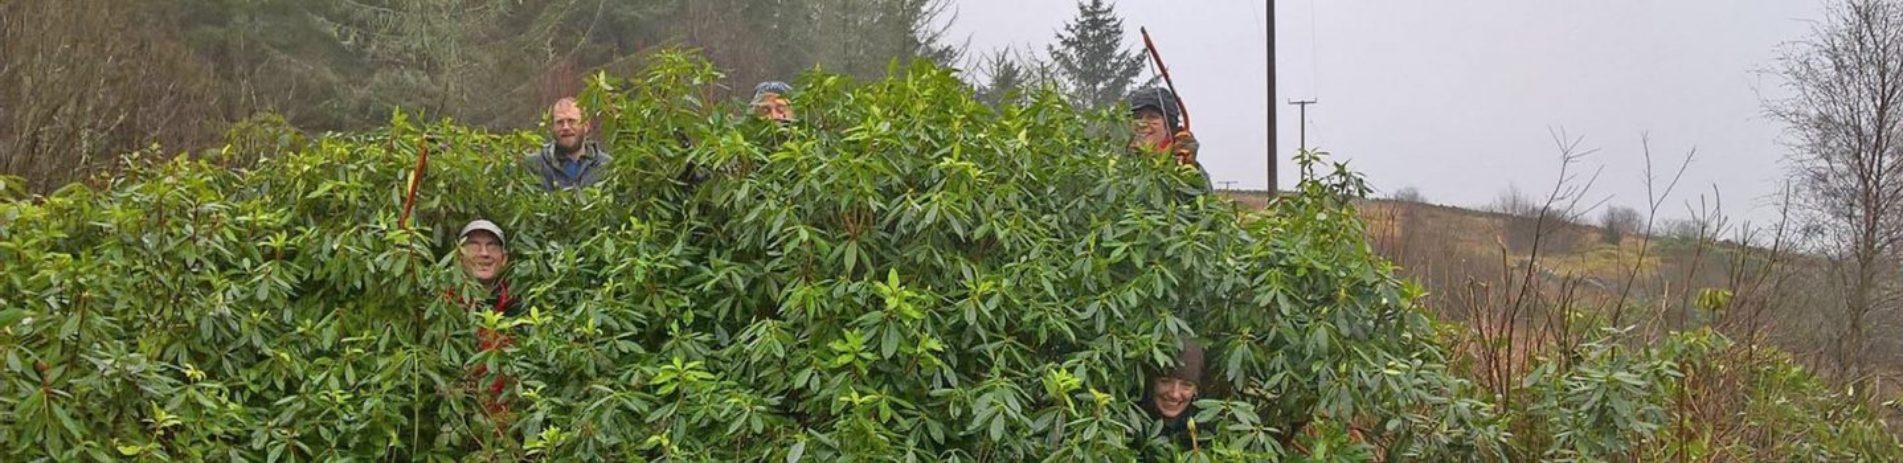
(1169, 396)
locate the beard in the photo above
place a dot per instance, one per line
(567, 146)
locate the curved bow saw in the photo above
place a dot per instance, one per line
(1182, 154)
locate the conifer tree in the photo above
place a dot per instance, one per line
(1004, 78)
(1091, 60)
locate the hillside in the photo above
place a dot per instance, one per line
(1463, 257)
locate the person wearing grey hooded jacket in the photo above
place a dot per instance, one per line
(569, 160)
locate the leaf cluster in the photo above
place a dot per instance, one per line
(905, 273)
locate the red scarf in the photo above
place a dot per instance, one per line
(487, 339)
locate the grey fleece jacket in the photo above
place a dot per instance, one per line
(547, 165)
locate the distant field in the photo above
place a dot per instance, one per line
(1449, 250)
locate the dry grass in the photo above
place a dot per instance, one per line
(1514, 306)
(1450, 249)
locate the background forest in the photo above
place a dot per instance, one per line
(86, 80)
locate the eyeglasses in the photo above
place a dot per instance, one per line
(476, 246)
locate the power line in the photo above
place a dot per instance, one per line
(1314, 53)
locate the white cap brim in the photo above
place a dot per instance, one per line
(484, 225)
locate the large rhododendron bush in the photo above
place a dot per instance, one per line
(902, 274)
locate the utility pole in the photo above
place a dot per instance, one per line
(1269, 104)
(1303, 121)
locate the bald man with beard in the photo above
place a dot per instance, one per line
(569, 161)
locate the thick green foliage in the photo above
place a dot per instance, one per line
(904, 274)
(1692, 396)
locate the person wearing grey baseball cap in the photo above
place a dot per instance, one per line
(484, 254)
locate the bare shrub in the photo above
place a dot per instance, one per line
(1408, 194)
(1844, 117)
(85, 80)
(1528, 217)
(1511, 201)
(1618, 222)
(1709, 302)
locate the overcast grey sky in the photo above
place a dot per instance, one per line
(1457, 98)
